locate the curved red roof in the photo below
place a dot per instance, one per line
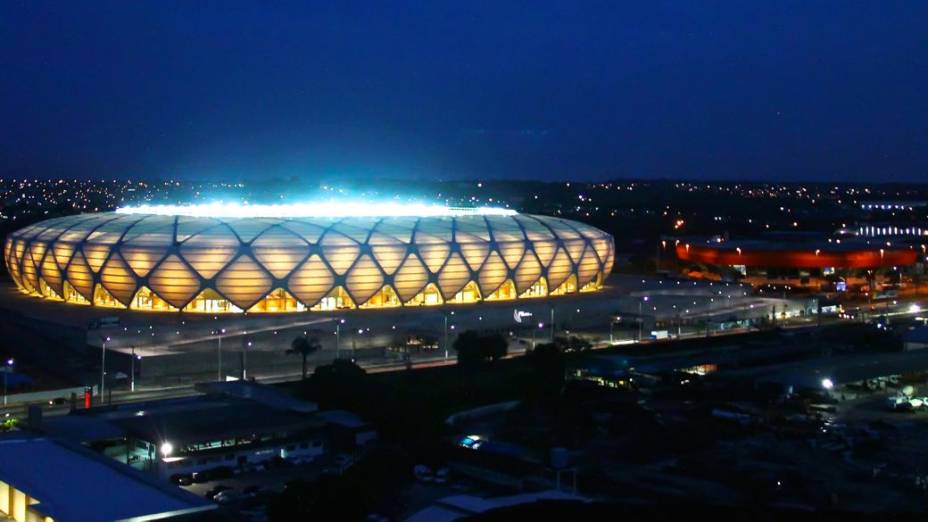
(796, 258)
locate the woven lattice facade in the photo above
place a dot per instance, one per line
(157, 262)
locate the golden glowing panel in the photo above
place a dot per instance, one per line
(280, 251)
(512, 252)
(575, 248)
(62, 251)
(30, 274)
(527, 273)
(560, 268)
(80, 276)
(474, 252)
(174, 281)
(593, 285)
(434, 255)
(243, 282)
(364, 279)
(95, 255)
(311, 281)
(340, 251)
(429, 296)
(505, 292)
(588, 267)
(118, 279)
(545, 251)
(51, 274)
(211, 251)
(142, 258)
(453, 276)
(37, 251)
(389, 257)
(493, 274)
(610, 259)
(410, 278)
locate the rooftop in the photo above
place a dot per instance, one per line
(320, 209)
(87, 486)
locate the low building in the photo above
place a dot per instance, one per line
(232, 425)
(45, 479)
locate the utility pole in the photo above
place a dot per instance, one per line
(446, 337)
(103, 367)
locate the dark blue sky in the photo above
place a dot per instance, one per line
(784, 90)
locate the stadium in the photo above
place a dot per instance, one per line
(313, 257)
(797, 261)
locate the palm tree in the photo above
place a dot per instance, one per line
(305, 346)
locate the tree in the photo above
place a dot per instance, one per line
(304, 346)
(474, 348)
(548, 366)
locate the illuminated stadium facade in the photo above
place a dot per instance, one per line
(221, 258)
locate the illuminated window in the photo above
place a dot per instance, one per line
(278, 300)
(103, 298)
(469, 294)
(145, 299)
(567, 287)
(505, 292)
(209, 301)
(73, 296)
(48, 291)
(593, 285)
(429, 296)
(337, 299)
(538, 289)
(384, 298)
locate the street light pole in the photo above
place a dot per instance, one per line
(6, 373)
(219, 334)
(338, 336)
(103, 367)
(132, 371)
(445, 343)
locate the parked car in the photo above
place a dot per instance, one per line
(215, 490)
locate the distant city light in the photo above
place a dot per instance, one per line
(827, 383)
(322, 209)
(166, 449)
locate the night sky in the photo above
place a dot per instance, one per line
(792, 91)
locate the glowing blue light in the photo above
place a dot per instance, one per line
(322, 209)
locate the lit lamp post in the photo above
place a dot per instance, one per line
(219, 333)
(338, 336)
(132, 370)
(6, 372)
(640, 316)
(103, 366)
(446, 333)
(540, 326)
